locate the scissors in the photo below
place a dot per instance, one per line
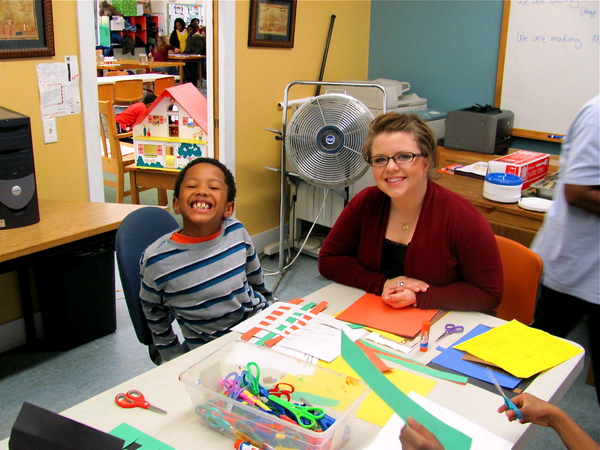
(507, 402)
(282, 390)
(253, 376)
(236, 383)
(451, 329)
(133, 399)
(306, 416)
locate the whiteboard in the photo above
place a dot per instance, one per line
(548, 65)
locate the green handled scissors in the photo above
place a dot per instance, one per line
(306, 416)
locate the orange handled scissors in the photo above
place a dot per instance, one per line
(135, 399)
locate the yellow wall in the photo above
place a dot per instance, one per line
(60, 167)
(261, 77)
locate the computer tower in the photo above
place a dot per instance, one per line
(18, 193)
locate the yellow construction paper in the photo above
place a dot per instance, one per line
(520, 350)
(373, 409)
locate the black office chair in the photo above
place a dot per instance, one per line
(137, 231)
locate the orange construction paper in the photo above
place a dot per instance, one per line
(371, 311)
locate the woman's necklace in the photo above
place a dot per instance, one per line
(403, 225)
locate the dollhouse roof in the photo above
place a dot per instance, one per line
(189, 99)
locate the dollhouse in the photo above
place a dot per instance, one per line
(173, 130)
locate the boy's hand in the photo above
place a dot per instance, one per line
(533, 409)
(415, 436)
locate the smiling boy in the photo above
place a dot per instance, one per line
(207, 273)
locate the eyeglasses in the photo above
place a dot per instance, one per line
(399, 158)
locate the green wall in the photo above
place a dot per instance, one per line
(447, 50)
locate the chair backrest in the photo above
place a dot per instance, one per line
(112, 154)
(522, 270)
(128, 91)
(116, 73)
(106, 92)
(136, 232)
(160, 84)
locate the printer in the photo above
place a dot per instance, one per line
(396, 100)
(482, 129)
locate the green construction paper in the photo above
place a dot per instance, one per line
(417, 367)
(402, 405)
(130, 434)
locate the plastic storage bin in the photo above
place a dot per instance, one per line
(338, 394)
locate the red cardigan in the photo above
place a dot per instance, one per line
(453, 249)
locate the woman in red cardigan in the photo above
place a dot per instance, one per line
(408, 239)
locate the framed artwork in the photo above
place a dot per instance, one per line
(26, 29)
(272, 23)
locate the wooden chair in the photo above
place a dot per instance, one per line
(116, 73)
(160, 84)
(522, 270)
(128, 91)
(106, 92)
(113, 159)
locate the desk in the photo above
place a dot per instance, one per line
(145, 77)
(63, 225)
(126, 64)
(182, 429)
(506, 219)
(162, 179)
(187, 58)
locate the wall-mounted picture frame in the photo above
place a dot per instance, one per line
(26, 29)
(272, 23)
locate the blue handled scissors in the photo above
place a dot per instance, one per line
(507, 402)
(451, 329)
(306, 416)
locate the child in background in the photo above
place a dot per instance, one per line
(208, 273)
(161, 53)
(128, 118)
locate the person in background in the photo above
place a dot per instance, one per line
(409, 239)
(195, 21)
(415, 436)
(161, 53)
(194, 46)
(207, 274)
(569, 239)
(179, 35)
(133, 114)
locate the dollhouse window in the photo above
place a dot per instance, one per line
(189, 122)
(173, 115)
(155, 120)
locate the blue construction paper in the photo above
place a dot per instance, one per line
(452, 359)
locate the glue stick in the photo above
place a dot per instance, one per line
(425, 335)
(240, 444)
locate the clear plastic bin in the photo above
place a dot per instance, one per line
(338, 394)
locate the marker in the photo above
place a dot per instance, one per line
(555, 136)
(425, 335)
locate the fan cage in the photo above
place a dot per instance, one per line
(324, 137)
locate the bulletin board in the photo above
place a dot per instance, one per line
(548, 64)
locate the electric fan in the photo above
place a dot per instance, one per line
(323, 142)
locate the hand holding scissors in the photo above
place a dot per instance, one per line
(507, 402)
(306, 416)
(133, 399)
(451, 329)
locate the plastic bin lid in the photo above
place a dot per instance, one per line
(504, 179)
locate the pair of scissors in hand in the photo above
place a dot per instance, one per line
(451, 329)
(305, 416)
(135, 399)
(509, 404)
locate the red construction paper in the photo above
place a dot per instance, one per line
(371, 311)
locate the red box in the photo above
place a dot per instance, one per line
(531, 166)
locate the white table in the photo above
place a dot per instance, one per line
(145, 77)
(182, 429)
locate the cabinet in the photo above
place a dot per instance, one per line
(140, 35)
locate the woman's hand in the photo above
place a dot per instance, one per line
(400, 292)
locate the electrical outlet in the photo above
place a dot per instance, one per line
(50, 135)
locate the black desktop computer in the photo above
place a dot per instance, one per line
(18, 193)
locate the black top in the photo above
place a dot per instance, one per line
(392, 258)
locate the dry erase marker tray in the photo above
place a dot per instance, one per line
(337, 394)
